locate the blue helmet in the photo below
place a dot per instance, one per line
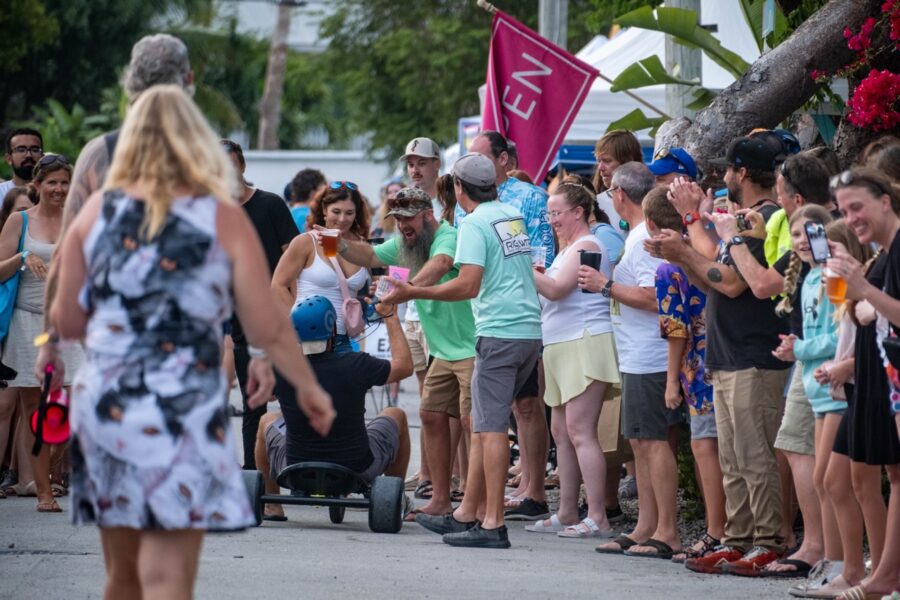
(314, 319)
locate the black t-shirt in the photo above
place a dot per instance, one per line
(742, 332)
(347, 377)
(795, 317)
(275, 227)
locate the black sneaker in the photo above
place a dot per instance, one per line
(10, 478)
(442, 524)
(528, 510)
(613, 515)
(476, 537)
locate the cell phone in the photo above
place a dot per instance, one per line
(377, 271)
(743, 224)
(818, 243)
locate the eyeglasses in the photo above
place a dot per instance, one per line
(336, 185)
(554, 214)
(50, 159)
(27, 150)
(614, 188)
(847, 178)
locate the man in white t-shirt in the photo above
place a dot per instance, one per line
(643, 357)
(24, 147)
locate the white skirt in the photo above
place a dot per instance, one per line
(20, 353)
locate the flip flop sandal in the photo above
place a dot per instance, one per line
(587, 528)
(276, 518)
(623, 542)
(555, 525)
(801, 569)
(663, 550)
(707, 544)
(49, 507)
(423, 490)
(457, 496)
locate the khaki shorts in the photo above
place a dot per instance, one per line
(448, 387)
(418, 347)
(797, 433)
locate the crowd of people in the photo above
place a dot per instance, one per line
(752, 305)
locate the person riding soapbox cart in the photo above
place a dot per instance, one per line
(323, 483)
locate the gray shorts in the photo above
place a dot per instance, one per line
(704, 426)
(644, 412)
(384, 441)
(502, 367)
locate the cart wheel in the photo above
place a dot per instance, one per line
(337, 514)
(253, 481)
(386, 505)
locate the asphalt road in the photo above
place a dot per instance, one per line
(42, 556)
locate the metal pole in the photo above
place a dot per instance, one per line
(552, 20)
(684, 63)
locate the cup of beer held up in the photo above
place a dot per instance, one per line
(539, 258)
(329, 239)
(835, 286)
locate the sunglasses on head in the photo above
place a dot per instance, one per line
(336, 185)
(664, 153)
(786, 174)
(51, 159)
(847, 178)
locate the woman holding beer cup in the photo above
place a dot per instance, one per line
(308, 268)
(579, 363)
(870, 203)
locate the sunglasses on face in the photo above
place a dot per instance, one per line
(336, 185)
(34, 150)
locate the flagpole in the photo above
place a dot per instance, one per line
(493, 9)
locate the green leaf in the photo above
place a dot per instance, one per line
(753, 14)
(647, 71)
(636, 120)
(682, 25)
(702, 98)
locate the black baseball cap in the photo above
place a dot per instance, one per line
(750, 153)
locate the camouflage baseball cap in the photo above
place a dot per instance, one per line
(409, 202)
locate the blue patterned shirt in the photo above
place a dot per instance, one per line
(531, 201)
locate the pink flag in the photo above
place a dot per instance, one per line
(534, 91)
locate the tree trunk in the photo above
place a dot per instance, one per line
(776, 85)
(270, 104)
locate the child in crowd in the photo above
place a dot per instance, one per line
(682, 322)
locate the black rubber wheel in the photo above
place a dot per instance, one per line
(336, 513)
(253, 481)
(386, 505)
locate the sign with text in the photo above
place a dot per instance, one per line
(534, 91)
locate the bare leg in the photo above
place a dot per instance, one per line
(867, 488)
(120, 556)
(228, 361)
(582, 415)
(658, 470)
(569, 472)
(495, 458)
(787, 499)
(262, 463)
(167, 563)
(533, 431)
(465, 444)
(436, 426)
(886, 577)
(825, 432)
(424, 472)
(813, 547)
(9, 398)
(29, 398)
(472, 505)
(706, 457)
(840, 492)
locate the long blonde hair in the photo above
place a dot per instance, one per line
(166, 144)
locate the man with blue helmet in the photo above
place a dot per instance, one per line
(381, 447)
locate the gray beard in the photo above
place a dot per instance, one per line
(416, 255)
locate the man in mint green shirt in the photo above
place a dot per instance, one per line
(494, 258)
(427, 248)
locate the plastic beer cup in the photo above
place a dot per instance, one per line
(329, 241)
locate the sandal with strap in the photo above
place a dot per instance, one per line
(49, 507)
(587, 528)
(539, 527)
(698, 549)
(423, 490)
(661, 550)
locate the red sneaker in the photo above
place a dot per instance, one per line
(753, 563)
(714, 563)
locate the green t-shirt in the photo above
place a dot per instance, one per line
(449, 327)
(494, 237)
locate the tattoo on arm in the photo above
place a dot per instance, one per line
(714, 275)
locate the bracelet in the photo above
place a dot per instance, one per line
(255, 352)
(48, 337)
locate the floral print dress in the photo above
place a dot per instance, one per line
(152, 447)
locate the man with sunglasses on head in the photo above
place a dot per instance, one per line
(24, 147)
(427, 247)
(275, 226)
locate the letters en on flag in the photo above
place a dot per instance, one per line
(534, 91)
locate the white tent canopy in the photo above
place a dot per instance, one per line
(602, 107)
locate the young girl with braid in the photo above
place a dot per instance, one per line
(796, 436)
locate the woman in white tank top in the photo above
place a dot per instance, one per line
(305, 271)
(579, 365)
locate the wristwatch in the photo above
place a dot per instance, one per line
(690, 218)
(255, 352)
(606, 290)
(735, 241)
